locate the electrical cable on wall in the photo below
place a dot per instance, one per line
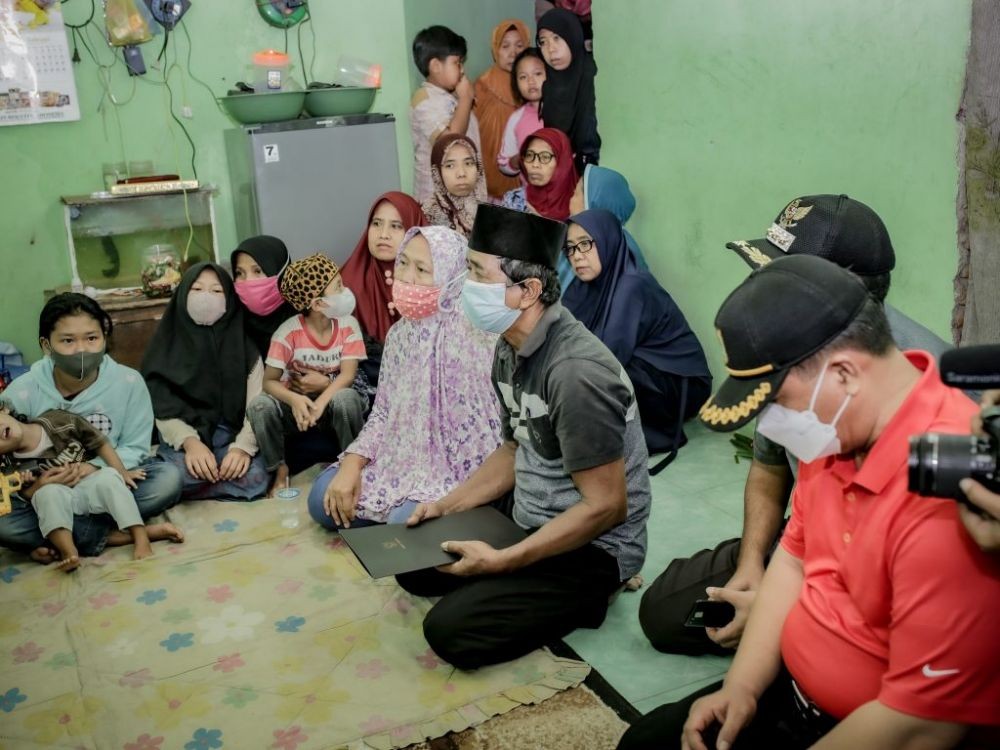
(108, 97)
(190, 69)
(75, 29)
(307, 73)
(167, 67)
(80, 31)
(312, 34)
(168, 103)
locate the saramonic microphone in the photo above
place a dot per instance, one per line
(972, 367)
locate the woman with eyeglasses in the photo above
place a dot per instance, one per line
(550, 176)
(554, 189)
(627, 309)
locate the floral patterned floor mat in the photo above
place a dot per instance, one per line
(248, 635)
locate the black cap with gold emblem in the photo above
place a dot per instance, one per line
(835, 227)
(518, 235)
(780, 316)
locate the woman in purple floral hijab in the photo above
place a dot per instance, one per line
(436, 417)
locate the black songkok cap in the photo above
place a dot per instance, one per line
(518, 235)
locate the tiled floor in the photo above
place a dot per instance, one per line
(697, 502)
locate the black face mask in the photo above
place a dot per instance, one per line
(80, 365)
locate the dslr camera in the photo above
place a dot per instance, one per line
(939, 462)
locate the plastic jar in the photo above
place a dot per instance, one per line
(161, 270)
(270, 71)
(352, 71)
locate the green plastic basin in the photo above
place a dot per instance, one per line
(345, 100)
(273, 107)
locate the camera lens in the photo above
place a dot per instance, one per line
(939, 462)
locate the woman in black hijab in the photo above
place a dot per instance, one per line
(257, 265)
(201, 369)
(568, 101)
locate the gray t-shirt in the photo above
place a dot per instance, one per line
(907, 333)
(568, 404)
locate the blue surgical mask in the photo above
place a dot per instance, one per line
(486, 307)
(801, 432)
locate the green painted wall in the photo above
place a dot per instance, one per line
(718, 113)
(716, 118)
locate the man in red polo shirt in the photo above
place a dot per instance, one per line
(876, 624)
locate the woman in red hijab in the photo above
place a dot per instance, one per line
(550, 176)
(368, 272)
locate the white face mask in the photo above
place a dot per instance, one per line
(801, 432)
(205, 308)
(339, 305)
(486, 307)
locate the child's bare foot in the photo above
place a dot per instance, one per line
(142, 550)
(69, 564)
(62, 540)
(160, 531)
(44, 555)
(280, 479)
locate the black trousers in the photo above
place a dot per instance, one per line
(665, 402)
(781, 723)
(492, 619)
(666, 602)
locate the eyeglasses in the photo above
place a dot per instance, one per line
(543, 157)
(583, 247)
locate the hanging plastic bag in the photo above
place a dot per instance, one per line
(126, 22)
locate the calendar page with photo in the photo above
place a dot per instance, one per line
(36, 75)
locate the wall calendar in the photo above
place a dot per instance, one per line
(36, 75)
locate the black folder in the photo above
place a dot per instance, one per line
(390, 549)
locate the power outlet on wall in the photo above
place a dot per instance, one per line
(186, 112)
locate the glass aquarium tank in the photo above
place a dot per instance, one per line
(139, 242)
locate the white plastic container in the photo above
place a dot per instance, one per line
(271, 70)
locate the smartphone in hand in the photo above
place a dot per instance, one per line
(706, 613)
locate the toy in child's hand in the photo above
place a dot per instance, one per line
(9, 484)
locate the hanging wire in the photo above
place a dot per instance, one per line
(169, 103)
(312, 33)
(302, 58)
(190, 69)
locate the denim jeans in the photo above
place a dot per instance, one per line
(250, 486)
(160, 490)
(399, 514)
